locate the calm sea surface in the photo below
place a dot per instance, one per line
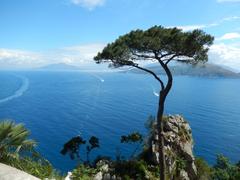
(56, 106)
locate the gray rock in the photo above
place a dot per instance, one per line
(98, 176)
(178, 144)
(107, 176)
(184, 175)
(11, 173)
(104, 168)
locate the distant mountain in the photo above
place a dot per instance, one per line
(206, 70)
(59, 67)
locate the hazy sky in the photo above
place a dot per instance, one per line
(38, 32)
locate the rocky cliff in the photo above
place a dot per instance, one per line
(178, 148)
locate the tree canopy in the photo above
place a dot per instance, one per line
(72, 147)
(159, 43)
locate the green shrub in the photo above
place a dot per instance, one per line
(132, 168)
(224, 170)
(203, 169)
(83, 173)
(40, 168)
(126, 177)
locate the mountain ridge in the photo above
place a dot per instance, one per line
(201, 70)
(59, 67)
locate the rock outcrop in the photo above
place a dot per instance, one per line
(11, 173)
(178, 148)
(103, 174)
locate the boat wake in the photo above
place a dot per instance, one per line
(154, 92)
(98, 77)
(19, 92)
(94, 99)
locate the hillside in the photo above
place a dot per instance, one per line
(205, 70)
(59, 67)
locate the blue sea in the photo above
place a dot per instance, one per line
(56, 106)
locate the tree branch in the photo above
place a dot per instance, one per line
(142, 55)
(171, 58)
(167, 70)
(152, 73)
(169, 75)
(146, 70)
(164, 55)
(181, 58)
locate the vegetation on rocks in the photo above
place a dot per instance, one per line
(181, 164)
(17, 150)
(140, 166)
(222, 170)
(84, 172)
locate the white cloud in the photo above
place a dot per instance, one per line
(89, 4)
(229, 36)
(221, 1)
(76, 55)
(223, 54)
(204, 26)
(18, 58)
(196, 26)
(81, 53)
(191, 27)
(231, 18)
(17, 54)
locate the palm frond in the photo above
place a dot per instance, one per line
(14, 139)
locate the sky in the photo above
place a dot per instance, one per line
(34, 33)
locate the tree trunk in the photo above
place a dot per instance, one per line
(162, 97)
(160, 135)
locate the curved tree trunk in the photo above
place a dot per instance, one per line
(160, 136)
(162, 97)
